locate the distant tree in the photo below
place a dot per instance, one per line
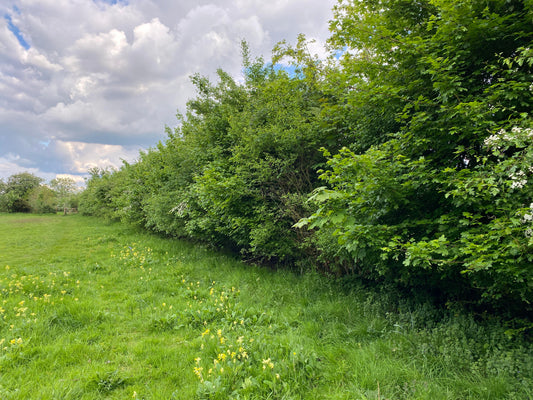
(65, 189)
(17, 190)
(42, 199)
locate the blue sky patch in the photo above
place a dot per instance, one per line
(339, 53)
(291, 70)
(16, 31)
(112, 2)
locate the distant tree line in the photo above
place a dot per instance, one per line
(405, 159)
(26, 193)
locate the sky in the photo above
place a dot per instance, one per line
(88, 83)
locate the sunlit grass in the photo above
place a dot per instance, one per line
(90, 310)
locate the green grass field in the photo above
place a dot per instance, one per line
(90, 310)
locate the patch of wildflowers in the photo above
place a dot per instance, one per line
(23, 296)
(230, 362)
(133, 256)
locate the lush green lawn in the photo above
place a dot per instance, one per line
(91, 310)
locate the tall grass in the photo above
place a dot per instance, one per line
(90, 310)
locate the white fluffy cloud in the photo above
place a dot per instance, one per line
(84, 156)
(87, 83)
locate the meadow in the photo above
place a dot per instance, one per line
(90, 310)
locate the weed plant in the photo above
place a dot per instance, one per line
(90, 310)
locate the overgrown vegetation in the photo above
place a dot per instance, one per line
(424, 180)
(94, 311)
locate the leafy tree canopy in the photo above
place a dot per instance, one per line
(17, 190)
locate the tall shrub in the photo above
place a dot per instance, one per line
(441, 198)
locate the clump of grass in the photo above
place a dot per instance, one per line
(107, 382)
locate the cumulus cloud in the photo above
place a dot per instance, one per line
(88, 83)
(84, 156)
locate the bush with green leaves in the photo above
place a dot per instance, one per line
(236, 171)
(104, 188)
(423, 112)
(442, 201)
(42, 200)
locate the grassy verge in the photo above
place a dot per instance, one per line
(92, 311)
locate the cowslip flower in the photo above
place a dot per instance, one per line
(268, 363)
(198, 373)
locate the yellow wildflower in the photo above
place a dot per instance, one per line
(198, 373)
(268, 363)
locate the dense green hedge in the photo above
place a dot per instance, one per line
(405, 158)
